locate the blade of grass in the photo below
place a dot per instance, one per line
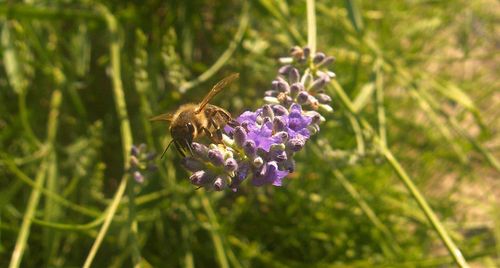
(355, 15)
(226, 55)
(17, 80)
(34, 198)
(360, 143)
(10, 165)
(445, 132)
(379, 102)
(364, 95)
(421, 201)
(457, 128)
(32, 12)
(126, 134)
(214, 231)
(372, 216)
(284, 22)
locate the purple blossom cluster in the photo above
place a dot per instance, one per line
(141, 161)
(264, 142)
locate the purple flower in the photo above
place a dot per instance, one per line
(141, 162)
(262, 147)
(269, 174)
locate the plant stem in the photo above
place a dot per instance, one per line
(30, 11)
(436, 223)
(34, 198)
(214, 231)
(219, 63)
(126, 134)
(429, 213)
(311, 26)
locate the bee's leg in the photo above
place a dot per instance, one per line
(216, 136)
(211, 135)
(217, 139)
(179, 148)
(188, 145)
(233, 123)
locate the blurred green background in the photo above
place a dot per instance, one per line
(423, 74)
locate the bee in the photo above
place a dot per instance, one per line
(192, 121)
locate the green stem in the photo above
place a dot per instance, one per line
(221, 61)
(23, 113)
(311, 26)
(368, 211)
(360, 144)
(30, 11)
(126, 134)
(214, 231)
(379, 102)
(132, 221)
(24, 232)
(11, 166)
(110, 212)
(34, 198)
(429, 213)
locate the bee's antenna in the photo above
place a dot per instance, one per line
(166, 148)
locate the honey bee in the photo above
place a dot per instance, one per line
(192, 121)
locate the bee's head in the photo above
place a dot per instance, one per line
(183, 132)
(183, 135)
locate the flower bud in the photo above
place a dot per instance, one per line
(293, 75)
(313, 102)
(239, 135)
(271, 100)
(134, 162)
(134, 151)
(271, 93)
(326, 61)
(295, 88)
(318, 84)
(282, 86)
(323, 98)
(199, 178)
(267, 111)
(199, 150)
(319, 57)
(295, 144)
(303, 97)
(307, 52)
(191, 164)
(313, 128)
(280, 110)
(279, 124)
(283, 135)
(284, 70)
(278, 147)
(250, 148)
(219, 184)
(138, 177)
(279, 156)
(231, 165)
(325, 107)
(215, 156)
(285, 60)
(258, 162)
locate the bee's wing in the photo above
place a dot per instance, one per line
(216, 89)
(162, 117)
